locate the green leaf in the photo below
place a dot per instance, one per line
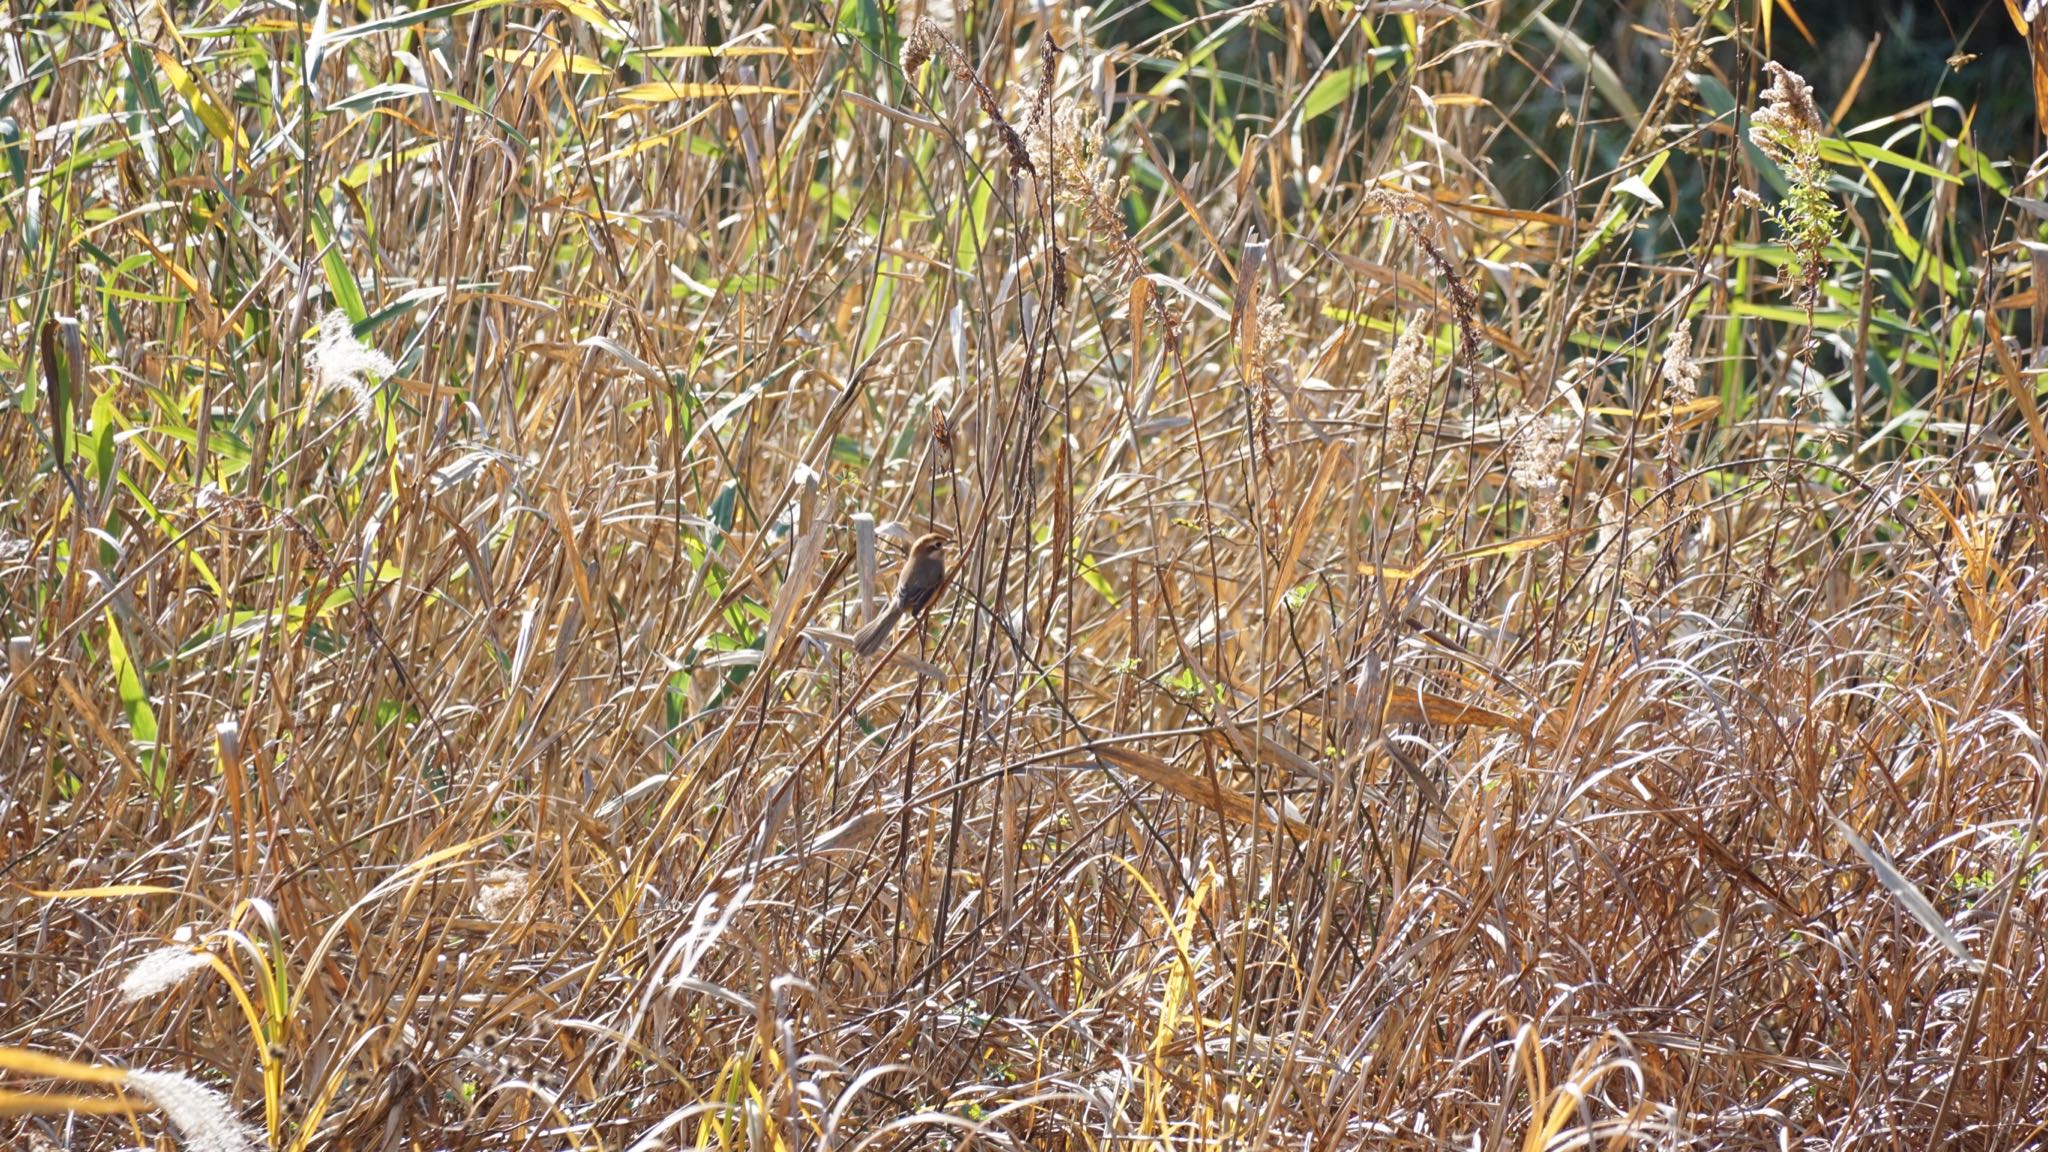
(1197, 56)
(408, 19)
(1721, 103)
(408, 302)
(348, 592)
(169, 529)
(341, 280)
(231, 455)
(1846, 152)
(723, 504)
(1093, 577)
(974, 225)
(1337, 87)
(369, 98)
(102, 439)
(878, 307)
(373, 96)
(16, 157)
(135, 705)
(1637, 187)
(1605, 80)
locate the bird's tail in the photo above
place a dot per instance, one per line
(869, 639)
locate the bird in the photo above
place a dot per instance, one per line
(924, 574)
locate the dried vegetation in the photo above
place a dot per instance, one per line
(1426, 666)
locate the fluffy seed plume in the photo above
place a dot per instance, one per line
(502, 894)
(160, 971)
(340, 362)
(201, 1115)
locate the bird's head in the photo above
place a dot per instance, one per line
(930, 544)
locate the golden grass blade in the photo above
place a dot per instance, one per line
(31, 1063)
(58, 1103)
(1214, 795)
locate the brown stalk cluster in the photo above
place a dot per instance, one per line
(926, 41)
(1304, 742)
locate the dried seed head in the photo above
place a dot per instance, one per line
(1067, 150)
(927, 41)
(503, 894)
(1268, 369)
(1537, 449)
(1680, 372)
(923, 43)
(201, 1115)
(1406, 382)
(340, 362)
(1788, 125)
(160, 971)
(1789, 129)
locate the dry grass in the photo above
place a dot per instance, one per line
(1425, 668)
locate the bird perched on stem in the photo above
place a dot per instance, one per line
(924, 574)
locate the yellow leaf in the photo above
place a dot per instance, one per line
(102, 890)
(50, 1103)
(211, 112)
(1209, 792)
(1508, 547)
(659, 91)
(550, 61)
(681, 51)
(376, 166)
(30, 1063)
(589, 14)
(652, 142)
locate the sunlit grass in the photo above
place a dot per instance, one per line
(1425, 664)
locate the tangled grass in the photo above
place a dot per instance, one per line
(1425, 666)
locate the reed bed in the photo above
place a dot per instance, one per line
(1495, 591)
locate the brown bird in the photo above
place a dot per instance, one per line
(924, 574)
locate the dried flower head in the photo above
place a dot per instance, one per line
(1788, 124)
(1680, 372)
(1537, 448)
(340, 362)
(504, 893)
(923, 43)
(201, 1115)
(160, 971)
(1464, 299)
(1270, 370)
(1627, 548)
(1406, 382)
(1069, 152)
(1065, 144)
(1789, 129)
